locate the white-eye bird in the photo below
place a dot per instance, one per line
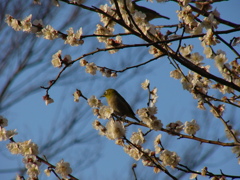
(119, 104)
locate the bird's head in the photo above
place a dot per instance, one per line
(108, 93)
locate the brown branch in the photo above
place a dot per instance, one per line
(200, 139)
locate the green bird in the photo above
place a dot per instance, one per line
(150, 14)
(119, 104)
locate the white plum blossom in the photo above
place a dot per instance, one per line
(137, 138)
(33, 170)
(133, 152)
(28, 148)
(154, 97)
(185, 51)
(176, 74)
(77, 94)
(94, 102)
(47, 172)
(209, 38)
(91, 68)
(191, 127)
(145, 84)
(157, 142)
(196, 58)
(184, 2)
(49, 33)
(194, 30)
(176, 127)
(74, 39)
(83, 62)
(236, 150)
(31, 159)
(156, 52)
(208, 52)
(113, 43)
(105, 112)
(24, 148)
(103, 31)
(26, 23)
(63, 168)
(115, 129)
(17, 25)
(169, 158)
(99, 127)
(220, 60)
(6, 134)
(186, 83)
(210, 22)
(105, 19)
(56, 59)
(155, 125)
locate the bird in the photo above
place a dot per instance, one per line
(150, 14)
(119, 104)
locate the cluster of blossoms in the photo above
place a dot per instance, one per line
(100, 110)
(137, 152)
(140, 22)
(195, 58)
(189, 127)
(230, 71)
(47, 32)
(104, 34)
(29, 150)
(193, 26)
(37, 27)
(17, 25)
(193, 82)
(147, 115)
(92, 68)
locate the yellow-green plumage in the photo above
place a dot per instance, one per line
(119, 104)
